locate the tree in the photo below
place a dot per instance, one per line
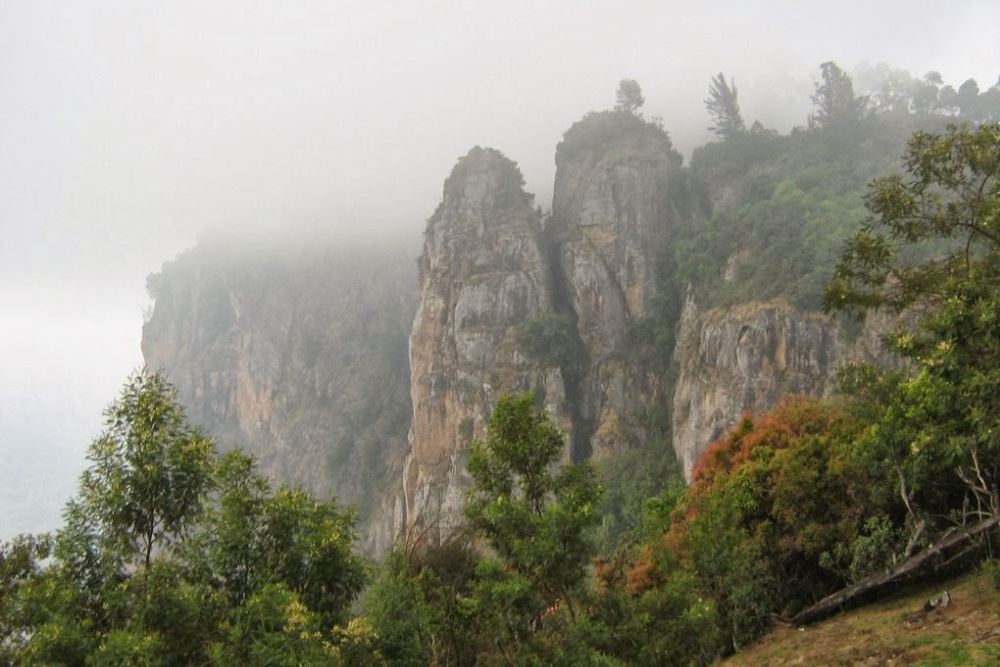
(149, 477)
(931, 247)
(257, 537)
(535, 519)
(20, 563)
(724, 108)
(420, 605)
(768, 499)
(171, 557)
(629, 96)
(836, 105)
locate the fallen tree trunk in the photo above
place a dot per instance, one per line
(831, 602)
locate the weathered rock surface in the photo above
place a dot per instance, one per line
(482, 273)
(612, 215)
(745, 357)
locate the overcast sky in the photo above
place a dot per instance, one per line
(129, 128)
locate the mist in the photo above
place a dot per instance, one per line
(128, 130)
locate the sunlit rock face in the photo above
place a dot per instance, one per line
(298, 356)
(612, 215)
(482, 272)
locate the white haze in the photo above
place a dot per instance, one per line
(129, 128)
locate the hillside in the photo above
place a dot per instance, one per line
(892, 632)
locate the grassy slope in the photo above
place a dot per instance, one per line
(965, 633)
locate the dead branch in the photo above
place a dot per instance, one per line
(834, 601)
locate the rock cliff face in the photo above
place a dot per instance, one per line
(744, 358)
(482, 273)
(506, 305)
(612, 215)
(296, 355)
(301, 356)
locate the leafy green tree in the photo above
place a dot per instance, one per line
(232, 548)
(422, 607)
(629, 96)
(535, 518)
(308, 543)
(724, 108)
(20, 563)
(932, 248)
(272, 627)
(170, 557)
(257, 537)
(149, 477)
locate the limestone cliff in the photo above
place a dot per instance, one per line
(296, 354)
(482, 274)
(301, 355)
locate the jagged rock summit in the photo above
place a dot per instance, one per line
(483, 273)
(510, 302)
(612, 217)
(302, 357)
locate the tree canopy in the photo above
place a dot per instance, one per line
(837, 107)
(931, 249)
(173, 556)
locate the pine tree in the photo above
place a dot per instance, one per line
(724, 108)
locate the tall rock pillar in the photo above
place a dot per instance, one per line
(483, 273)
(612, 215)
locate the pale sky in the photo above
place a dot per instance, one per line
(129, 128)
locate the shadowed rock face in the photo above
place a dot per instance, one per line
(744, 358)
(612, 218)
(296, 355)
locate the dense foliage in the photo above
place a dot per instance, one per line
(778, 207)
(932, 249)
(173, 556)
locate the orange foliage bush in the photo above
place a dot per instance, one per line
(748, 448)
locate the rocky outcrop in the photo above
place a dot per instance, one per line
(483, 274)
(612, 215)
(744, 358)
(301, 356)
(296, 355)
(507, 306)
